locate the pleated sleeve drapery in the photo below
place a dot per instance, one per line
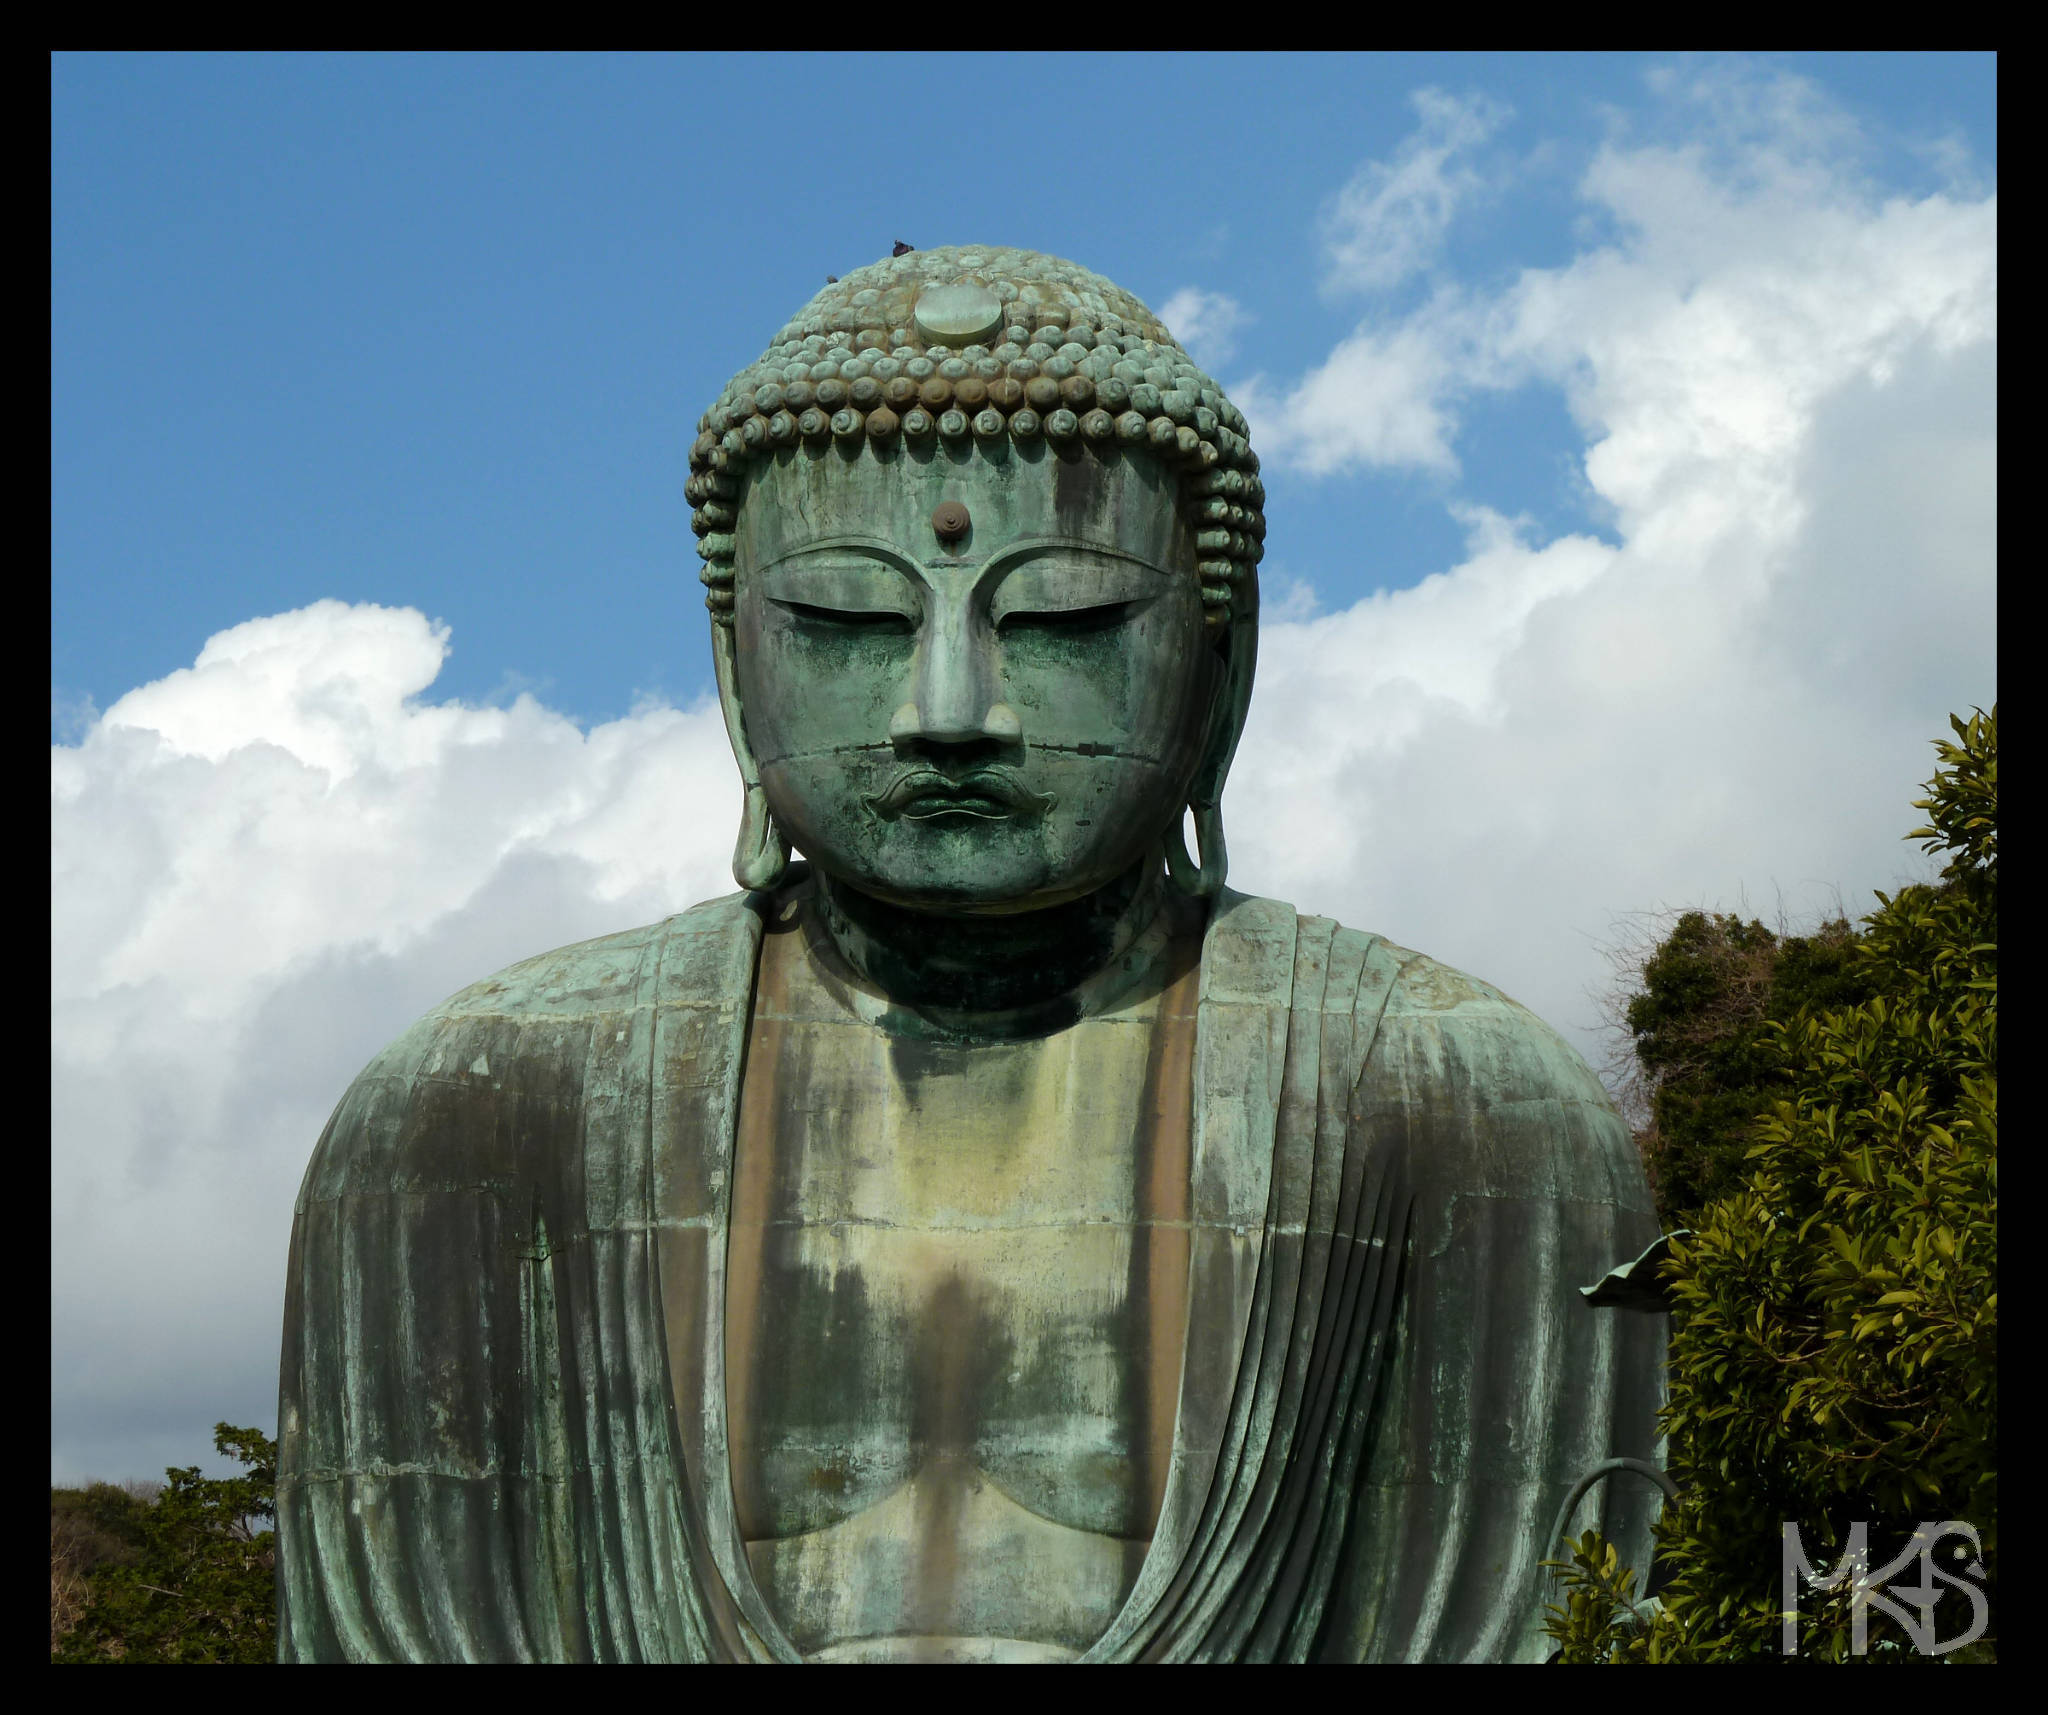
(477, 1454)
(1417, 1381)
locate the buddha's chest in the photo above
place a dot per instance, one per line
(954, 1317)
(876, 1354)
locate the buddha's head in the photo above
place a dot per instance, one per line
(981, 547)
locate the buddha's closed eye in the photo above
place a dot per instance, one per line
(881, 622)
(1103, 616)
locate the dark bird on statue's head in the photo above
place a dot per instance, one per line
(902, 249)
(831, 279)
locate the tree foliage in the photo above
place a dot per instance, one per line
(1835, 1320)
(1704, 1026)
(183, 1575)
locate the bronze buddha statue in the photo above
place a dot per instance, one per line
(993, 1238)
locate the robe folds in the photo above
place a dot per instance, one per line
(502, 1402)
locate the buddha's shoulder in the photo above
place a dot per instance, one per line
(502, 1076)
(1446, 1022)
(520, 1018)
(684, 959)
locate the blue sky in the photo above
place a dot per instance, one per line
(434, 331)
(1630, 435)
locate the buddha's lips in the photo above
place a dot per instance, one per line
(994, 794)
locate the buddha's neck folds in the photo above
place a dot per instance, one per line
(1016, 974)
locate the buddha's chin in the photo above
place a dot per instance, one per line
(965, 897)
(969, 873)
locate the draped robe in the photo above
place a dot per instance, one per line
(516, 1219)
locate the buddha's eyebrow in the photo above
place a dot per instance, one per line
(856, 550)
(1017, 554)
(884, 556)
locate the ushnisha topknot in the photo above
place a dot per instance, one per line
(976, 344)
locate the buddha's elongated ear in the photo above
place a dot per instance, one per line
(761, 858)
(1226, 725)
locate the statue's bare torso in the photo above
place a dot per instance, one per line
(955, 1308)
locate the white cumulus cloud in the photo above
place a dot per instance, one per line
(1386, 397)
(1389, 222)
(262, 868)
(1205, 323)
(1786, 386)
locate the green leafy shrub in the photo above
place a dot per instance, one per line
(186, 1576)
(1601, 1621)
(1835, 1320)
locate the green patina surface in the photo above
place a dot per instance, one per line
(992, 1239)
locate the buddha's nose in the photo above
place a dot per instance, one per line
(999, 722)
(955, 695)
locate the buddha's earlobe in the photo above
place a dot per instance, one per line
(1206, 880)
(761, 858)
